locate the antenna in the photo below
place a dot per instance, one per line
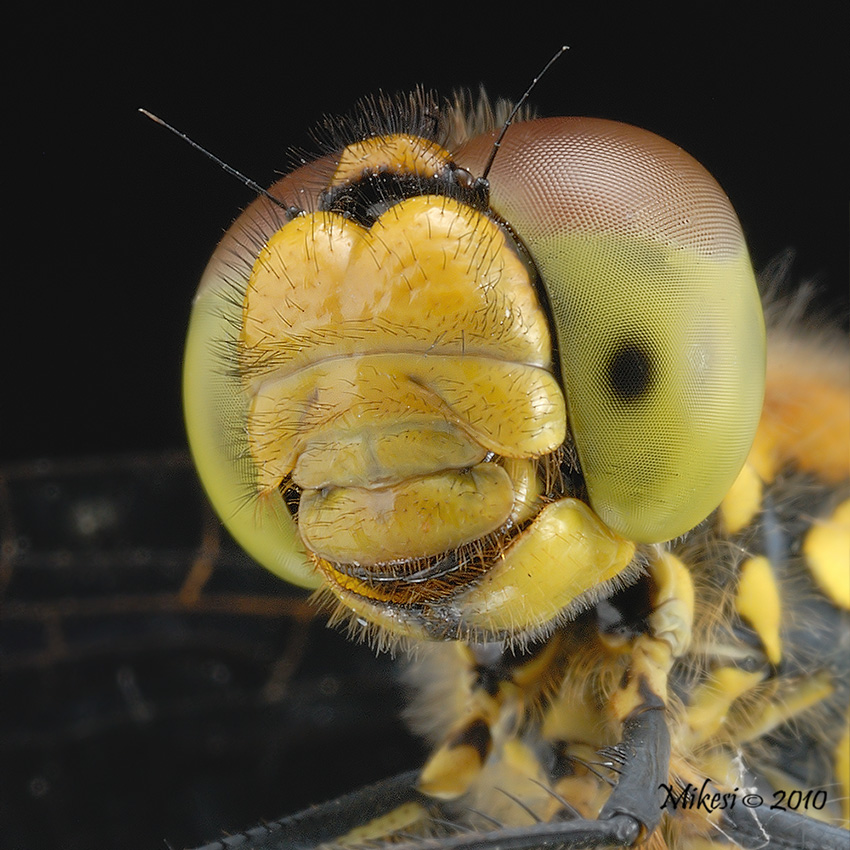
(498, 143)
(255, 187)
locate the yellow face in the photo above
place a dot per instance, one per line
(461, 407)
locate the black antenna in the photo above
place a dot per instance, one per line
(498, 143)
(255, 187)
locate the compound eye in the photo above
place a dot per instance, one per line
(658, 319)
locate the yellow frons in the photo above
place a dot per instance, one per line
(291, 277)
(431, 276)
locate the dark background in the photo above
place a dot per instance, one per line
(111, 219)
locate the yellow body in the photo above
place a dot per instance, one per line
(479, 424)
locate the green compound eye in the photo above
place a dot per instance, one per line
(216, 408)
(659, 325)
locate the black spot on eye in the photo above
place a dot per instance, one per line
(629, 371)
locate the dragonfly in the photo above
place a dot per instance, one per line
(250, 635)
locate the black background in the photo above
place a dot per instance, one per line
(111, 219)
